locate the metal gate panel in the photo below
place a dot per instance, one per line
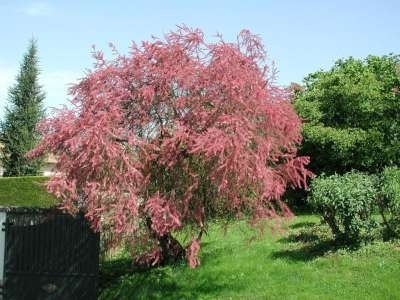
(50, 255)
(2, 247)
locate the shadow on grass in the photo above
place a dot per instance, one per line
(308, 251)
(303, 237)
(161, 283)
(118, 280)
(302, 225)
(310, 246)
(141, 285)
(111, 271)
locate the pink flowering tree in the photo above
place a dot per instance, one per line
(159, 138)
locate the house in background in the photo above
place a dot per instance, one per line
(49, 164)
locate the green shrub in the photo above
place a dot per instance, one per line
(346, 203)
(389, 200)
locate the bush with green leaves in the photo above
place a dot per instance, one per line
(346, 203)
(389, 200)
(351, 115)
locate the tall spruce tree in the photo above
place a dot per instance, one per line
(25, 109)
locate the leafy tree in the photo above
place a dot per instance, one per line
(18, 132)
(352, 115)
(175, 129)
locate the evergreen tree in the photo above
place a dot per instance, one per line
(25, 109)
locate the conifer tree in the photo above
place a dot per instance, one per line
(24, 110)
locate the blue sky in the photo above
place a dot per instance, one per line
(300, 36)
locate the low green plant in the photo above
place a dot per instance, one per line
(389, 200)
(346, 203)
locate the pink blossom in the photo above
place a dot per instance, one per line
(174, 127)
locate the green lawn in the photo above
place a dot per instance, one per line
(302, 264)
(25, 191)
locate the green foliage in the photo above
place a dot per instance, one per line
(334, 148)
(346, 203)
(309, 111)
(18, 132)
(390, 199)
(25, 192)
(352, 115)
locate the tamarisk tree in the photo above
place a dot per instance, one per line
(159, 138)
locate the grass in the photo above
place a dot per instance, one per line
(29, 191)
(304, 263)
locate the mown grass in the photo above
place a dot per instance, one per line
(304, 263)
(29, 191)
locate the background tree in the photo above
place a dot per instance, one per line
(18, 133)
(352, 115)
(179, 127)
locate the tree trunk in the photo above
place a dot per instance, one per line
(382, 207)
(171, 250)
(330, 220)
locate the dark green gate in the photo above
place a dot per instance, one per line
(49, 255)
